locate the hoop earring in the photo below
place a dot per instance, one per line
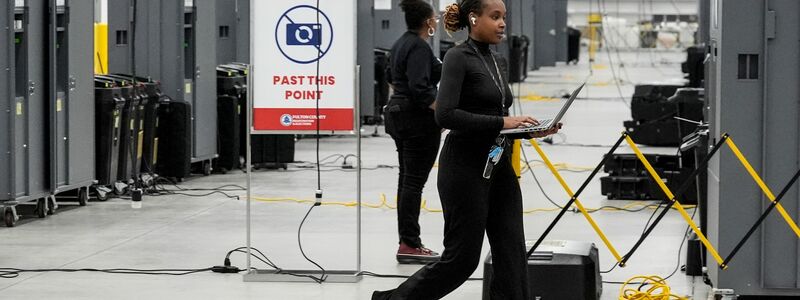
(431, 31)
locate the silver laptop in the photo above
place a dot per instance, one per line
(547, 124)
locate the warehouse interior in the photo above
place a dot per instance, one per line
(137, 167)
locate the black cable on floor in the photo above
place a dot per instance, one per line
(300, 244)
(530, 170)
(678, 264)
(9, 273)
(319, 170)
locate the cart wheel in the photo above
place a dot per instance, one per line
(83, 196)
(207, 168)
(51, 205)
(8, 217)
(41, 208)
(100, 195)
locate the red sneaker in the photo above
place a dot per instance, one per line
(421, 255)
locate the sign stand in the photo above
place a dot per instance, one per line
(332, 276)
(291, 37)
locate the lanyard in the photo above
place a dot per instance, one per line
(497, 81)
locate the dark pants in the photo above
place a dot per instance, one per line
(473, 205)
(416, 156)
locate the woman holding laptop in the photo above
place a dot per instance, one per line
(477, 185)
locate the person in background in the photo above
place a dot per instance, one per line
(414, 74)
(478, 195)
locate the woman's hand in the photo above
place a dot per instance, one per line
(516, 122)
(551, 131)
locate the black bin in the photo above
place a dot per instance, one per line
(130, 154)
(109, 105)
(175, 139)
(237, 85)
(573, 45)
(268, 151)
(149, 120)
(518, 62)
(231, 85)
(272, 151)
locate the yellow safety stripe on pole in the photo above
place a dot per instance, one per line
(677, 204)
(763, 185)
(577, 202)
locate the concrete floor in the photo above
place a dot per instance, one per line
(196, 232)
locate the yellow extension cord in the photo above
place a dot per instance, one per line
(658, 289)
(424, 205)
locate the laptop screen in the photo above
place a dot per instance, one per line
(569, 102)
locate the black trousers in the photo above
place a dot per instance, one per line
(473, 205)
(416, 156)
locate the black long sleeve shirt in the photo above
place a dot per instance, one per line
(469, 102)
(415, 70)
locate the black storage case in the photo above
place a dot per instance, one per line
(663, 133)
(151, 90)
(558, 270)
(175, 152)
(644, 188)
(231, 101)
(130, 153)
(629, 165)
(267, 151)
(518, 59)
(109, 105)
(573, 45)
(232, 81)
(228, 120)
(626, 187)
(648, 101)
(693, 67)
(272, 151)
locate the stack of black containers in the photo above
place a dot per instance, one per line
(127, 129)
(267, 151)
(663, 115)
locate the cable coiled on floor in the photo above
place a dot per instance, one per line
(658, 289)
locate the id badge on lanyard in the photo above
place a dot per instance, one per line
(495, 154)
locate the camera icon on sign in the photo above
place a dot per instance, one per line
(303, 34)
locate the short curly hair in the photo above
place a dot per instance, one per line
(417, 12)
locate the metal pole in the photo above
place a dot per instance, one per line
(248, 167)
(248, 164)
(358, 169)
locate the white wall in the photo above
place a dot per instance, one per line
(101, 11)
(630, 10)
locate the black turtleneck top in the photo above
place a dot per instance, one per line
(469, 102)
(415, 70)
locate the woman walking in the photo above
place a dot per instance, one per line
(478, 195)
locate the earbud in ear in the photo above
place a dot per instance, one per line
(474, 20)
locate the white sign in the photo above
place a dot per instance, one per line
(383, 4)
(303, 54)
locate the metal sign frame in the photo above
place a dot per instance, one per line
(334, 276)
